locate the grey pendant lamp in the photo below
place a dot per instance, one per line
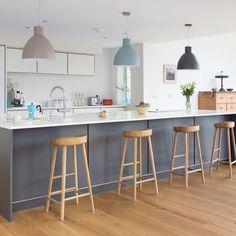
(126, 55)
(188, 61)
(38, 47)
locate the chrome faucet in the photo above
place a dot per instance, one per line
(64, 110)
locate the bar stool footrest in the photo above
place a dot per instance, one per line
(129, 177)
(131, 163)
(60, 176)
(181, 155)
(145, 180)
(66, 191)
(195, 170)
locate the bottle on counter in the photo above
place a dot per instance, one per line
(22, 99)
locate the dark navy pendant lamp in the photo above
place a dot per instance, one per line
(188, 61)
(126, 55)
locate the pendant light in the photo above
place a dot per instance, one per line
(188, 60)
(126, 55)
(38, 47)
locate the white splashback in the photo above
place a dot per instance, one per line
(37, 88)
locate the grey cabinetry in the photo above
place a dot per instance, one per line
(207, 135)
(162, 144)
(105, 147)
(31, 164)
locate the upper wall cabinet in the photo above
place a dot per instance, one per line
(64, 64)
(57, 66)
(80, 64)
(15, 63)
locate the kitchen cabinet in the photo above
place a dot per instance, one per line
(57, 66)
(220, 101)
(15, 63)
(64, 64)
(81, 64)
(2, 79)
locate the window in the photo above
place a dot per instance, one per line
(124, 85)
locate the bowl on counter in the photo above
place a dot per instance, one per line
(229, 89)
(142, 108)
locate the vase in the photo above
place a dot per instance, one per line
(188, 104)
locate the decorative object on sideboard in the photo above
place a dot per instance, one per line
(221, 76)
(38, 47)
(142, 108)
(230, 89)
(188, 61)
(169, 74)
(126, 55)
(187, 91)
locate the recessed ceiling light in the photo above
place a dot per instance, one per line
(99, 30)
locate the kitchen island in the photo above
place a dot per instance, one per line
(26, 149)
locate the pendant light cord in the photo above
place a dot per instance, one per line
(39, 9)
(126, 26)
(188, 33)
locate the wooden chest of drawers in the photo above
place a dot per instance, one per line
(219, 101)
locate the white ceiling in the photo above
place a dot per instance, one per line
(151, 20)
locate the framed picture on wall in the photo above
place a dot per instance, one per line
(169, 74)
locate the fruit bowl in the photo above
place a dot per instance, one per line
(142, 108)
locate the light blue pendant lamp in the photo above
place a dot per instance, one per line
(126, 55)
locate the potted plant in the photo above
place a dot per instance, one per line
(187, 91)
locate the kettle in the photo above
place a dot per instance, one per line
(32, 110)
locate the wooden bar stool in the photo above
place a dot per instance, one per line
(186, 130)
(137, 136)
(64, 143)
(229, 127)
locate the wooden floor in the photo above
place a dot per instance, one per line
(208, 209)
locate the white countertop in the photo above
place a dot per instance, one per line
(119, 116)
(69, 107)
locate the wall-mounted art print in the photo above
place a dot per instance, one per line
(169, 74)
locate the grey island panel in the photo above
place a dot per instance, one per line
(105, 148)
(207, 135)
(6, 155)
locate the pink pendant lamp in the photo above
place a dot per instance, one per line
(38, 47)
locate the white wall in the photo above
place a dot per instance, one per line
(214, 53)
(37, 88)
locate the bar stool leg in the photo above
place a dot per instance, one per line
(186, 158)
(229, 153)
(219, 149)
(122, 164)
(84, 155)
(63, 182)
(173, 157)
(233, 139)
(76, 175)
(54, 157)
(140, 163)
(135, 168)
(213, 151)
(153, 163)
(200, 156)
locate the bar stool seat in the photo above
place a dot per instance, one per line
(63, 143)
(229, 127)
(137, 136)
(186, 130)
